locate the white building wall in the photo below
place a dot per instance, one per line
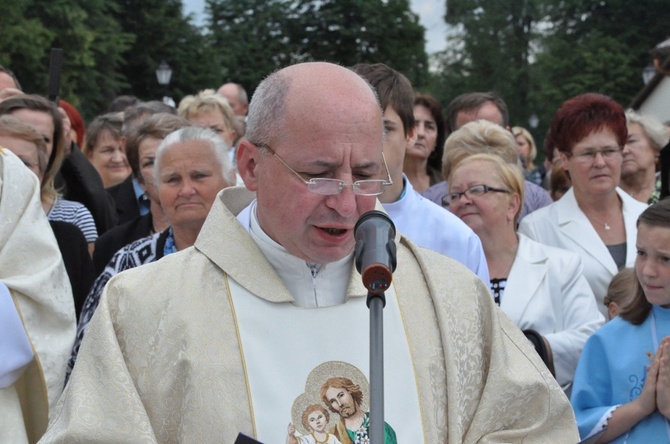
(658, 102)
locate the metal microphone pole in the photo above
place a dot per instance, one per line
(376, 303)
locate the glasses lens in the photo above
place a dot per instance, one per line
(451, 198)
(324, 187)
(328, 187)
(368, 187)
(477, 190)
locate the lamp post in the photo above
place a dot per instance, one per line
(163, 75)
(533, 121)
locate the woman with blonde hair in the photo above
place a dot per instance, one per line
(525, 144)
(540, 288)
(482, 136)
(207, 109)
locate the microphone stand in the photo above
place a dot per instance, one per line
(376, 303)
(375, 255)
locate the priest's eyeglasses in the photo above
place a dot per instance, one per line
(329, 187)
(473, 191)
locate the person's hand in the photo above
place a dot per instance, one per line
(290, 434)
(646, 402)
(663, 379)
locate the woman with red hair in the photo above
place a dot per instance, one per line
(595, 218)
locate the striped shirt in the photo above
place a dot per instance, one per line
(76, 214)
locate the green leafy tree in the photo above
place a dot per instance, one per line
(23, 44)
(92, 44)
(361, 31)
(256, 37)
(249, 37)
(538, 53)
(597, 47)
(489, 49)
(162, 32)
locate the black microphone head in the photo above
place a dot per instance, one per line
(379, 216)
(375, 250)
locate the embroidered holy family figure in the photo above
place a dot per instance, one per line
(345, 396)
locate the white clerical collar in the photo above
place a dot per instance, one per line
(311, 285)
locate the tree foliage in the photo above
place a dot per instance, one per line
(538, 53)
(164, 33)
(256, 37)
(249, 37)
(535, 53)
(92, 46)
(597, 47)
(493, 42)
(113, 47)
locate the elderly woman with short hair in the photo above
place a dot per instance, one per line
(104, 148)
(640, 175)
(191, 167)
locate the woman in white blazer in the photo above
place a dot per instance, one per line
(540, 288)
(595, 218)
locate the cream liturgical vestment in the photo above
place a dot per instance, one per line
(209, 342)
(37, 293)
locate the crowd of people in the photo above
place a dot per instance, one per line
(189, 273)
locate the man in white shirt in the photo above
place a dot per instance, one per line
(424, 223)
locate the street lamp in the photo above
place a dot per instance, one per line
(163, 75)
(533, 121)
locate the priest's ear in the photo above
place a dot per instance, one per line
(248, 156)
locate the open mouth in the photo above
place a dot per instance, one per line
(334, 231)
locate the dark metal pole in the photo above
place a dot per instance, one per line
(55, 66)
(376, 303)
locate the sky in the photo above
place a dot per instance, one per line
(431, 16)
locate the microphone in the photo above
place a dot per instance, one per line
(375, 250)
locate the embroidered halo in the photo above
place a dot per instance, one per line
(316, 379)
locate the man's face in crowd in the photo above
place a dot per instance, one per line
(336, 135)
(488, 111)
(232, 95)
(396, 142)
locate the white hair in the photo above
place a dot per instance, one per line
(652, 127)
(191, 133)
